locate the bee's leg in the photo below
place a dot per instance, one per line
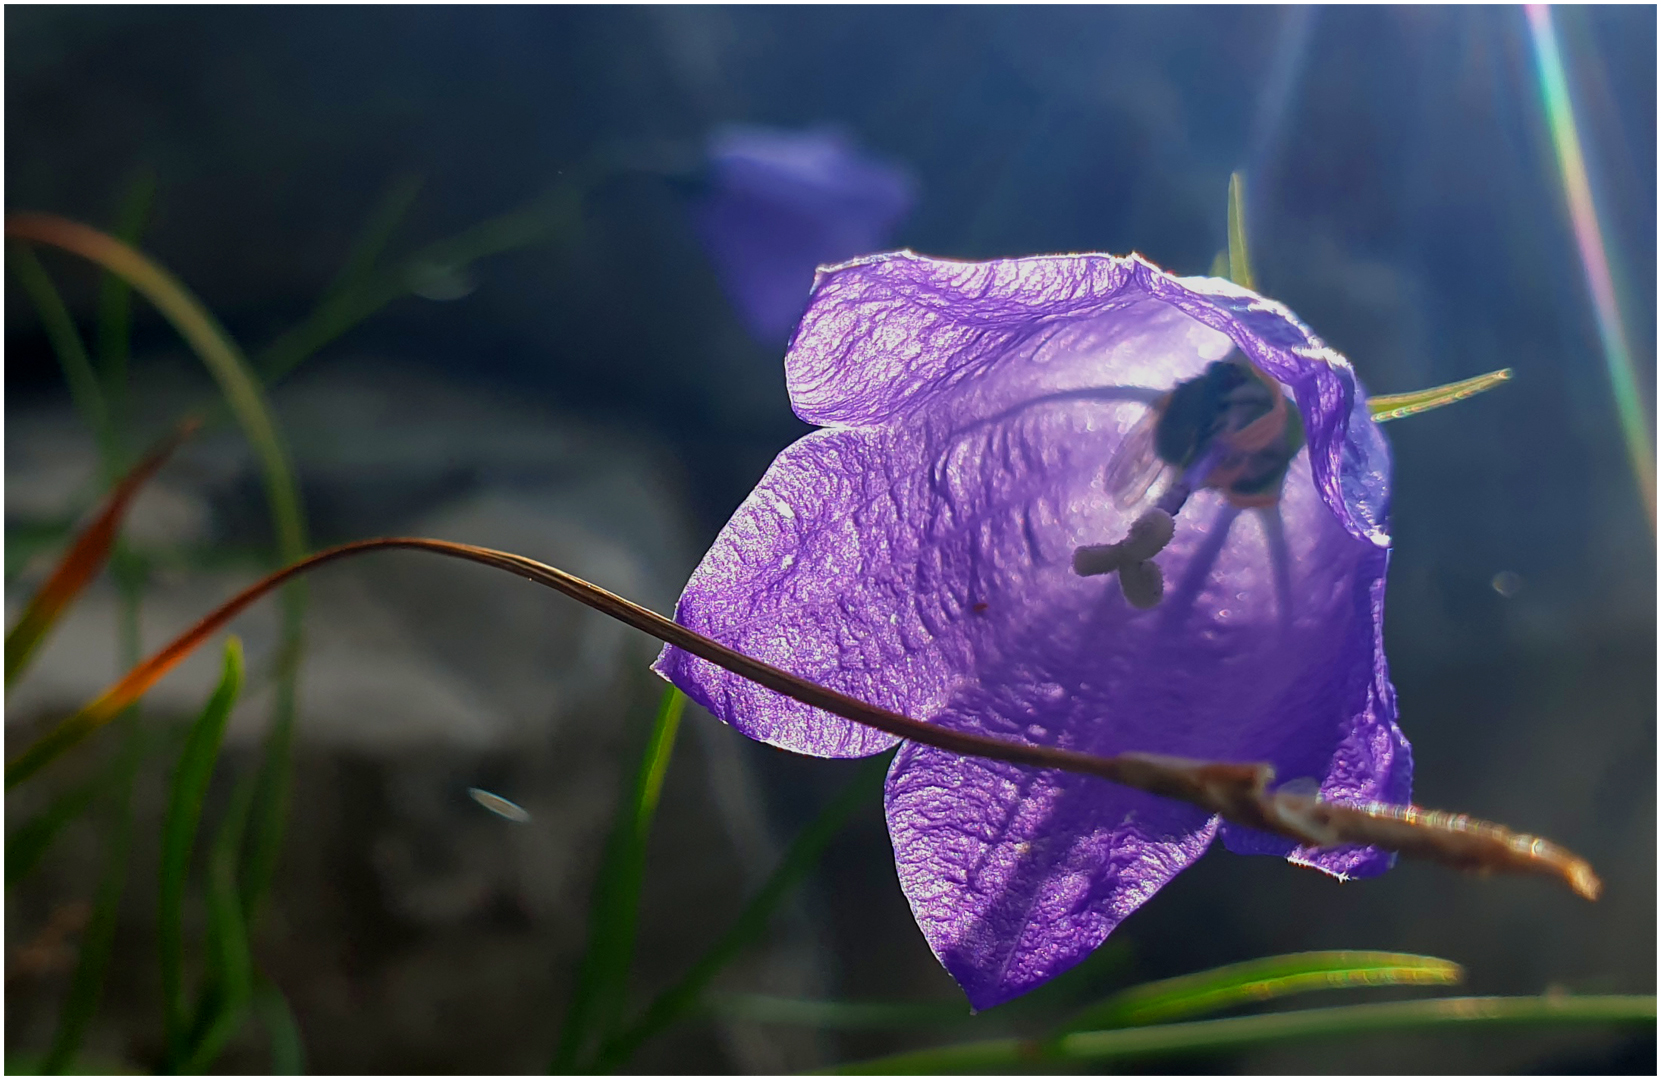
(1174, 497)
(1280, 561)
(1200, 566)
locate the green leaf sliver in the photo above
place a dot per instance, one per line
(184, 813)
(1253, 981)
(1395, 406)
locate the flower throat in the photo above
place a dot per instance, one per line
(1228, 428)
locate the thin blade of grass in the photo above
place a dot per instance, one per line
(1219, 265)
(839, 1015)
(346, 302)
(268, 817)
(376, 234)
(184, 814)
(245, 397)
(1239, 261)
(206, 338)
(602, 980)
(27, 539)
(67, 344)
(228, 979)
(85, 557)
(128, 569)
(1038, 1008)
(1242, 1032)
(114, 311)
(1056, 995)
(86, 986)
(131, 573)
(288, 1048)
(28, 842)
(1395, 406)
(83, 1065)
(798, 861)
(351, 304)
(1260, 980)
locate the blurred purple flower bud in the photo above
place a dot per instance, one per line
(919, 553)
(781, 203)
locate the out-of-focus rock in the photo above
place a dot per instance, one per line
(446, 932)
(405, 649)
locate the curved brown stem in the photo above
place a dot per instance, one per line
(1238, 792)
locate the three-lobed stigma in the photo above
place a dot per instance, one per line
(1132, 558)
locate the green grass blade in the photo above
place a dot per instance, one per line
(114, 310)
(129, 570)
(602, 979)
(376, 234)
(27, 539)
(86, 986)
(1037, 1009)
(269, 813)
(350, 305)
(29, 841)
(131, 573)
(839, 1015)
(26, 1064)
(798, 861)
(246, 399)
(1242, 1032)
(1219, 265)
(288, 1048)
(1395, 406)
(347, 301)
(228, 979)
(184, 814)
(1041, 1004)
(1261, 980)
(981, 1056)
(1239, 262)
(207, 339)
(70, 349)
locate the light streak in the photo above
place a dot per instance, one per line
(1617, 356)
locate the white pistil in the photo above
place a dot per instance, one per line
(1131, 558)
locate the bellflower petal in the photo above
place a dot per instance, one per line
(781, 203)
(917, 553)
(1019, 876)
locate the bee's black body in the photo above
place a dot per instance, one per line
(1220, 402)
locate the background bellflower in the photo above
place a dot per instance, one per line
(781, 203)
(917, 552)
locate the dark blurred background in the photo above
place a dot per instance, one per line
(593, 399)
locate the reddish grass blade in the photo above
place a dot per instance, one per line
(1238, 792)
(85, 557)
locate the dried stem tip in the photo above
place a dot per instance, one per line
(1241, 793)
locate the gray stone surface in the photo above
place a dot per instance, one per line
(412, 929)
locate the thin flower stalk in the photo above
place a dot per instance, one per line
(1238, 792)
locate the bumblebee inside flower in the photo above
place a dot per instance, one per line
(1229, 429)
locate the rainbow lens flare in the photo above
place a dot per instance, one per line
(1554, 90)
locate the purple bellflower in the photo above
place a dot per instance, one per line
(781, 203)
(931, 549)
